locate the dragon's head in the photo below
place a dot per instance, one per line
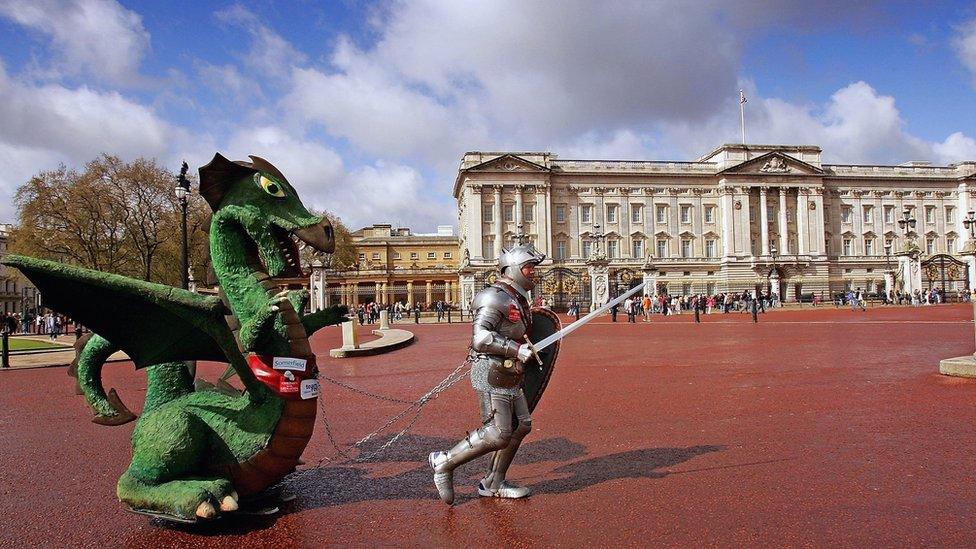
(256, 198)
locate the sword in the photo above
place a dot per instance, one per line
(592, 314)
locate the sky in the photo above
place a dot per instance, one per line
(367, 107)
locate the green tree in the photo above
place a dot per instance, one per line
(114, 216)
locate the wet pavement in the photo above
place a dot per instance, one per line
(813, 428)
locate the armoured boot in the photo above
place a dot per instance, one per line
(494, 483)
(476, 444)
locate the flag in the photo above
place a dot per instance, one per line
(742, 97)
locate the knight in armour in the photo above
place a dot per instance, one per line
(498, 353)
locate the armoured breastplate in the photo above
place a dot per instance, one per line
(502, 318)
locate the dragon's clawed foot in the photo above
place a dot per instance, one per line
(275, 302)
(228, 504)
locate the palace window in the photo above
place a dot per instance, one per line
(488, 247)
(431, 255)
(528, 213)
(889, 214)
(560, 249)
(709, 214)
(362, 257)
(890, 245)
(560, 213)
(509, 212)
(376, 256)
(845, 214)
(586, 213)
(685, 247)
(710, 247)
(661, 213)
(685, 214)
(868, 214)
(415, 255)
(611, 213)
(930, 245)
(868, 245)
(949, 211)
(613, 249)
(950, 245)
(396, 255)
(662, 247)
(930, 214)
(848, 246)
(587, 248)
(447, 255)
(638, 248)
(635, 213)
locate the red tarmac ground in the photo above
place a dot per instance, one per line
(813, 428)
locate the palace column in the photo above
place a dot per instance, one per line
(728, 248)
(819, 223)
(764, 220)
(518, 206)
(430, 291)
(498, 221)
(410, 293)
(545, 224)
(962, 208)
(448, 293)
(784, 228)
(802, 213)
(475, 212)
(745, 214)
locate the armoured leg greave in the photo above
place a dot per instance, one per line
(494, 483)
(493, 436)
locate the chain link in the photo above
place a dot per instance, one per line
(417, 406)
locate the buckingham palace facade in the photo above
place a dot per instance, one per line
(738, 218)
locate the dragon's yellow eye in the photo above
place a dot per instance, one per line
(271, 187)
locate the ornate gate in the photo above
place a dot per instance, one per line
(559, 286)
(945, 272)
(624, 279)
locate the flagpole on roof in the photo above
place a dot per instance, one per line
(742, 114)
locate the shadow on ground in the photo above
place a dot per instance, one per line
(342, 484)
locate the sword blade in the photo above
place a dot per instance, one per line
(590, 316)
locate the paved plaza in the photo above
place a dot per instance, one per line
(813, 428)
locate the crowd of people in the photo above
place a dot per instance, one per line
(50, 324)
(666, 304)
(369, 313)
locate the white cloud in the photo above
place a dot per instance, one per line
(50, 124)
(857, 125)
(99, 38)
(366, 194)
(269, 54)
(964, 42)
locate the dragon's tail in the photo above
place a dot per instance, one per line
(166, 381)
(91, 352)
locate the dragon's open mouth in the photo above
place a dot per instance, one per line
(288, 244)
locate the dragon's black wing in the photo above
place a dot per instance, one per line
(152, 323)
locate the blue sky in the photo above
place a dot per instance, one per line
(367, 106)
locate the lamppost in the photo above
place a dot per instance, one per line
(887, 257)
(907, 223)
(182, 193)
(772, 269)
(597, 240)
(970, 223)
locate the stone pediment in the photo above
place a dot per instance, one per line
(774, 163)
(507, 163)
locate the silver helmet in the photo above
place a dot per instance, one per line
(512, 260)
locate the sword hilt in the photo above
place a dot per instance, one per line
(532, 348)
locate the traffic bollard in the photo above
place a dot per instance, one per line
(6, 349)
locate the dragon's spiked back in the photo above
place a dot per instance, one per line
(256, 197)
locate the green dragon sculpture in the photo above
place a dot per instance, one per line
(198, 453)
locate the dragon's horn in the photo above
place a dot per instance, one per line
(217, 176)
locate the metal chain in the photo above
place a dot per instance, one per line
(445, 384)
(364, 393)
